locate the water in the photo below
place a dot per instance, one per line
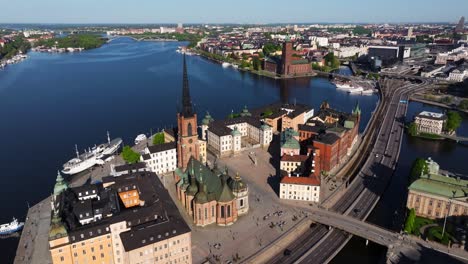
(50, 102)
(390, 211)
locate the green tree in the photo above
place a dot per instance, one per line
(453, 121)
(409, 225)
(158, 138)
(256, 63)
(268, 112)
(331, 60)
(129, 155)
(463, 104)
(245, 64)
(413, 129)
(446, 100)
(418, 168)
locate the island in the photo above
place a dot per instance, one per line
(70, 43)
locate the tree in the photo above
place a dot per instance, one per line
(418, 168)
(268, 112)
(129, 155)
(413, 129)
(446, 100)
(158, 138)
(453, 121)
(245, 64)
(463, 104)
(409, 225)
(256, 63)
(331, 60)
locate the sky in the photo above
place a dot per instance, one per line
(238, 11)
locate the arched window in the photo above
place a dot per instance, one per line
(242, 202)
(189, 129)
(222, 211)
(228, 211)
(199, 214)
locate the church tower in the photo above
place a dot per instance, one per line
(187, 142)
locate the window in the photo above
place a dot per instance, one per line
(206, 213)
(212, 211)
(62, 258)
(242, 202)
(199, 214)
(228, 211)
(189, 129)
(222, 211)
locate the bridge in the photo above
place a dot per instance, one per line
(454, 137)
(361, 194)
(396, 242)
(112, 38)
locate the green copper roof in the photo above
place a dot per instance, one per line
(348, 124)
(288, 140)
(357, 109)
(447, 187)
(245, 112)
(208, 119)
(60, 184)
(57, 229)
(201, 196)
(236, 132)
(226, 194)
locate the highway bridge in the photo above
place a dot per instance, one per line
(382, 149)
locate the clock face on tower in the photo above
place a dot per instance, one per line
(190, 141)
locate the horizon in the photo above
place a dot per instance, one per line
(243, 12)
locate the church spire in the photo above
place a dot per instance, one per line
(187, 109)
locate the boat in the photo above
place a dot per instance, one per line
(357, 90)
(140, 138)
(343, 85)
(12, 227)
(94, 156)
(226, 64)
(368, 92)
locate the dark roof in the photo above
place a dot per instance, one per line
(313, 129)
(219, 129)
(130, 167)
(162, 147)
(156, 220)
(328, 138)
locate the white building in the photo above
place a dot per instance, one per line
(349, 51)
(453, 55)
(161, 158)
(293, 163)
(430, 122)
(458, 75)
(300, 188)
(320, 41)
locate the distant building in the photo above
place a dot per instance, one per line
(291, 62)
(458, 75)
(125, 219)
(430, 122)
(460, 28)
(161, 158)
(436, 196)
(389, 54)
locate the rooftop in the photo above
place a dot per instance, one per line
(301, 180)
(444, 186)
(431, 115)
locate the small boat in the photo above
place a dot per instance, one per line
(140, 138)
(355, 90)
(12, 227)
(368, 92)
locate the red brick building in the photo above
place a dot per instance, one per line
(291, 62)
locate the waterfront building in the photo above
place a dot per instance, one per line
(438, 196)
(291, 62)
(187, 138)
(430, 122)
(161, 158)
(125, 219)
(233, 135)
(333, 134)
(211, 196)
(300, 188)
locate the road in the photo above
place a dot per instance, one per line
(364, 191)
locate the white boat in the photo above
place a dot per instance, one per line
(344, 86)
(140, 138)
(91, 157)
(12, 227)
(226, 64)
(368, 92)
(357, 90)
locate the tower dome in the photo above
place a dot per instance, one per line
(237, 185)
(60, 184)
(207, 119)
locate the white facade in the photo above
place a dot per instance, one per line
(320, 41)
(458, 76)
(160, 162)
(429, 122)
(349, 51)
(232, 143)
(300, 192)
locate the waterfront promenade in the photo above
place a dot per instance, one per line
(33, 246)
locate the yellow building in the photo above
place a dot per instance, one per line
(104, 229)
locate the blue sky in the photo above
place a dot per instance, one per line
(239, 11)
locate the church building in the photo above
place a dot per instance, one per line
(208, 195)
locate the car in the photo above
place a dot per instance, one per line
(287, 252)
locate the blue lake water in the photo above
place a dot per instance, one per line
(50, 102)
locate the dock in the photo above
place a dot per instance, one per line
(33, 247)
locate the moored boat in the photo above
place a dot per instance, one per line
(12, 227)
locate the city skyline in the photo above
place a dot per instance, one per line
(243, 12)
